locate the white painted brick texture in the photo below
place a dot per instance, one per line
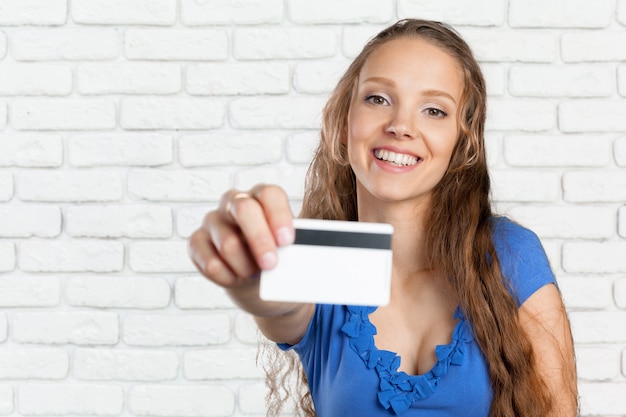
(123, 121)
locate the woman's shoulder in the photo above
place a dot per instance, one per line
(522, 259)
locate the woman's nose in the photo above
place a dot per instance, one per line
(402, 125)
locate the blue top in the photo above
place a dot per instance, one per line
(349, 376)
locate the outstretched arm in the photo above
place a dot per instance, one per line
(237, 241)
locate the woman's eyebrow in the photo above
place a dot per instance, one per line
(432, 92)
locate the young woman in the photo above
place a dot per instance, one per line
(476, 325)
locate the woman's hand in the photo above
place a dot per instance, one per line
(240, 238)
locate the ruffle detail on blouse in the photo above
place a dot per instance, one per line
(397, 389)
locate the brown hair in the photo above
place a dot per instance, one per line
(458, 224)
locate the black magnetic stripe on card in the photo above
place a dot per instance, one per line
(343, 239)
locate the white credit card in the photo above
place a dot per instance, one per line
(332, 262)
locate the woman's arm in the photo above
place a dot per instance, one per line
(544, 319)
(239, 239)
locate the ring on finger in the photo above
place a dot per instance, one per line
(231, 201)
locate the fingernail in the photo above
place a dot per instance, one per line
(268, 260)
(285, 236)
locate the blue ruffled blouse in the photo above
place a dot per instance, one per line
(349, 376)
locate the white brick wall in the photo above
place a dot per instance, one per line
(123, 121)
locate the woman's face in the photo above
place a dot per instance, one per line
(402, 123)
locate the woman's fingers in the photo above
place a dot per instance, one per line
(264, 218)
(242, 235)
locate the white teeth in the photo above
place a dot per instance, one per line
(395, 158)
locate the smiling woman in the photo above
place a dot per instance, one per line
(475, 325)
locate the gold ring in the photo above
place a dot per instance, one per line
(229, 203)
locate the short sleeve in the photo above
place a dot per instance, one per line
(523, 261)
(300, 346)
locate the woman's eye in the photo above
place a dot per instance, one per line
(435, 112)
(378, 100)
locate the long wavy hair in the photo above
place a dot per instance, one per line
(458, 231)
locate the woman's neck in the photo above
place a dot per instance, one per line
(408, 241)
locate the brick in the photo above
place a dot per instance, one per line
(210, 364)
(134, 221)
(35, 80)
(124, 12)
(70, 399)
(301, 147)
(229, 149)
(129, 78)
(29, 291)
(21, 220)
(4, 327)
(31, 150)
(588, 293)
(188, 219)
(6, 186)
(120, 149)
(621, 80)
(493, 143)
(71, 256)
(456, 12)
(607, 116)
(176, 44)
(594, 257)
(597, 363)
(76, 327)
(557, 150)
(516, 45)
(555, 13)
(226, 12)
(276, 113)
(33, 12)
(594, 186)
(181, 400)
(63, 114)
(602, 398)
(3, 115)
(347, 11)
(598, 326)
(7, 256)
(619, 293)
(43, 363)
(593, 46)
(6, 399)
(567, 222)
(525, 186)
(543, 80)
(496, 79)
(171, 113)
(521, 115)
(40, 185)
(238, 78)
(124, 365)
(176, 329)
(159, 257)
(284, 43)
(621, 12)
(65, 44)
(290, 178)
(622, 221)
(251, 398)
(620, 151)
(117, 292)
(354, 38)
(318, 77)
(190, 185)
(246, 330)
(196, 292)
(3, 45)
